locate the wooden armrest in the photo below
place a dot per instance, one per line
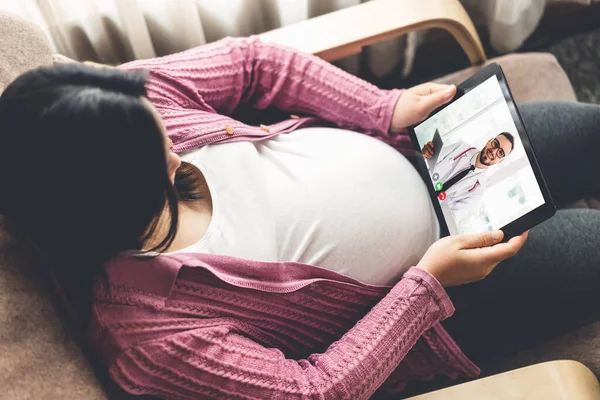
(555, 380)
(345, 32)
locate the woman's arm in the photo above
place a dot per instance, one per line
(220, 361)
(219, 76)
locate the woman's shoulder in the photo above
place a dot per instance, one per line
(138, 279)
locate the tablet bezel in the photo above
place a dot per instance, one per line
(525, 222)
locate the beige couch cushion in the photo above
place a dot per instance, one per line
(37, 360)
(23, 46)
(531, 77)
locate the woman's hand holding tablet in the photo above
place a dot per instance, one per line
(418, 102)
(461, 259)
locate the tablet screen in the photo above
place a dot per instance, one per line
(477, 162)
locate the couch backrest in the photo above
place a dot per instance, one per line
(37, 360)
(23, 46)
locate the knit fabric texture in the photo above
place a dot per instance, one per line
(195, 92)
(188, 326)
(184, 326)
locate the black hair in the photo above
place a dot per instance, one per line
(83, 171)
(510, 138)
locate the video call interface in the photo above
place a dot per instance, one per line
(477, 163)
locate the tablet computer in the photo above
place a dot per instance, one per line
(478, 163)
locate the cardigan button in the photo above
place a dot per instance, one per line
(265, 128)
(294, 116)
(229, 129)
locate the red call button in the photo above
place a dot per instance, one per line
(442, 196)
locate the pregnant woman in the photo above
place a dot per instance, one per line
(209, 258)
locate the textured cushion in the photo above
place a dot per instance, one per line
(531, 77)
(37, 361)
(23, 46)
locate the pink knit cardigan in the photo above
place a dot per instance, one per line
(188, 326)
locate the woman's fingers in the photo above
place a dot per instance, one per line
(479, 240)
(437, 98)
(430, 88)
(486, 247)
(502, 251)
(459, 259)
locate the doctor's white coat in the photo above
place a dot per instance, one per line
(464, 195)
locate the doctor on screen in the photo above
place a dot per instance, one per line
(460, 170)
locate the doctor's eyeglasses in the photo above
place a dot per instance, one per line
(496, 145)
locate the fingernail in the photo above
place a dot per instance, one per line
(450, 88)
(496, 235)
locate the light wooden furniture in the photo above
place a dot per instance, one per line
(344, 33)
(555, 380)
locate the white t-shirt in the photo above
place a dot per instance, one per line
(329, 197)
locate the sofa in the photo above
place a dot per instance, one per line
(39, 360)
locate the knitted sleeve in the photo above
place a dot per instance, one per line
(220, 361)
(216, 77)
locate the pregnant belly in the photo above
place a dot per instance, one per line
(349, 203)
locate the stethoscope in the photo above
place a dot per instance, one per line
(463, 153)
